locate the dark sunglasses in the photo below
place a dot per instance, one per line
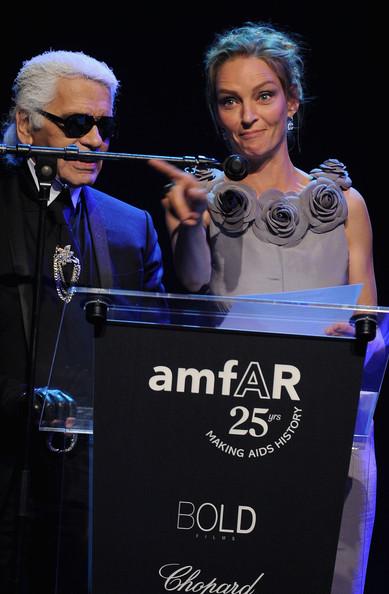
(79, 124)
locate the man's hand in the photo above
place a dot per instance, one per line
(58, 407)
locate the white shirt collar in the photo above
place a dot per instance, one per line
(56, 186)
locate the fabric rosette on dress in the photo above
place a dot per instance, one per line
(280, 219)
(334, 170)
(324, 205)
(232, 207)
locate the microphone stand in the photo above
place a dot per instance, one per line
(72, 152)
(46, 170)
(234, 166)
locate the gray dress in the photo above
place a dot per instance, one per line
(279, 242)
(288, 242)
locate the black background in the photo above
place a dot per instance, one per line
(161, 110)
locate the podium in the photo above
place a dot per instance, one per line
(221, 430)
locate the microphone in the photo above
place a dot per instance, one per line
(236, 167)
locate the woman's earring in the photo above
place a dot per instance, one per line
(290, 124)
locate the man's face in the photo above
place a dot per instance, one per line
(74, 96)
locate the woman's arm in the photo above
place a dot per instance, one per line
(360, 242)
(187, 219)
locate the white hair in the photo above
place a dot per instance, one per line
(36, 84)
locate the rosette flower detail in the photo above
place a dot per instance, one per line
(334, 170)
(280, 219)
(232, 207)
(324, 205)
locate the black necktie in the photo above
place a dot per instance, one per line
(62, 214)
(61, 211)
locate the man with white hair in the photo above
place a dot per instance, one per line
(59, 98)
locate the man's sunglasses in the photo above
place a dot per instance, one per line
(79, 124)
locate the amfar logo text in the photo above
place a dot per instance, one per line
(283, 382)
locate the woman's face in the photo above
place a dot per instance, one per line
(252, 107)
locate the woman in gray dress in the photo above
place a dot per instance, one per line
(280, 229)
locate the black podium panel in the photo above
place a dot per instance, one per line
(220, 460)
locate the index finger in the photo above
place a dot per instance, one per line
(171, 171)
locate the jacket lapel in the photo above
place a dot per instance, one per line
(99, 239)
